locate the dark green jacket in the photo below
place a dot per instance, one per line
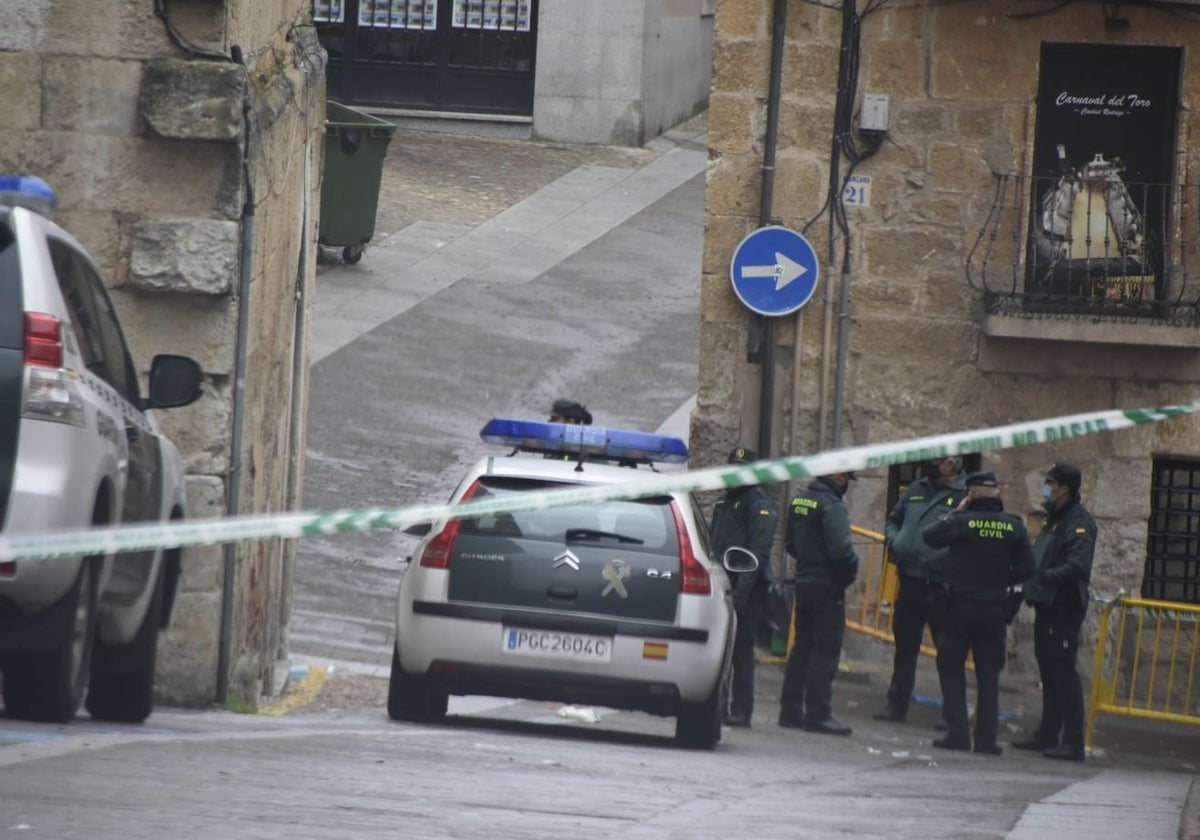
(989, 550)
(1063, 554)
(818, 536)
(745, 517)
(921, 505)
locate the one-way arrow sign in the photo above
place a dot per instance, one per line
(779, 253)
(784, 271)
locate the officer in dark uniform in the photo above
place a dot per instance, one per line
(989, 552)
(818, 537)
(569, 411)
(745, 516)
(1058, 592)
(919, 601)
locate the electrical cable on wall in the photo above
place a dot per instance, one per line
(160, 9)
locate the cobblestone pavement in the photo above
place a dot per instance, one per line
(434, 177)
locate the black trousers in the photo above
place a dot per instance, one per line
(741, 687)
(808, 679)
(917, 603)
(1056, 647)
(977, 627)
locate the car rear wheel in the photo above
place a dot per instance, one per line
(414, 696)
(122, 686)
(48, 686)
(698, 725)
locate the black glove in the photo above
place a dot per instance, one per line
(1012, 603)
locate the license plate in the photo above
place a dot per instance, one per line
(556, 644)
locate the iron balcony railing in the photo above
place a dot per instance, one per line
(1088, 244)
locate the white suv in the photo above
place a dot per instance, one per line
(79, 447)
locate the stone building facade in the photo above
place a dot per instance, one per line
(184, 142)
(956, 319)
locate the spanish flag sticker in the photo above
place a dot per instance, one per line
(654, 650)
(1081, 530)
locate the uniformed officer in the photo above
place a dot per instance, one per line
(569, 411)
(746, 517)
(989, 551)
(818, 537)
(1058, 592)
(939, 489)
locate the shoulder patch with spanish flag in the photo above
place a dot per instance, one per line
(1081, 530)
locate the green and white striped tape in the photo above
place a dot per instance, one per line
(293, 525)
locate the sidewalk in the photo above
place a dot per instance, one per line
(542, 204)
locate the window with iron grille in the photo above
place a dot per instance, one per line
(1173, 535)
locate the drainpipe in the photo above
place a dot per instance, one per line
(233, 497)
(767, 392)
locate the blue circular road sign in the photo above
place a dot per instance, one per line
(774, 271)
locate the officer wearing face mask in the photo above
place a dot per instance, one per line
(922, 595)
(1058, 592)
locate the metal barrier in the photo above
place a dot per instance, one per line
(1145, 665)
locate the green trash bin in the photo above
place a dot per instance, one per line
(355, 145)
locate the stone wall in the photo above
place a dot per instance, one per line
(142, 133)
(619, 72)
(962, 80)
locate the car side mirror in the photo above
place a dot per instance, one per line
(174, 381)
(421, 529)
(738, 559)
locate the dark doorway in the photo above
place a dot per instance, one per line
(474, 56)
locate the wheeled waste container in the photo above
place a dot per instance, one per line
(355, 145)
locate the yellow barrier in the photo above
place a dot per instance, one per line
(1145, 667)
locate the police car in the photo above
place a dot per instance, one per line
(612, 603)
(79, 447)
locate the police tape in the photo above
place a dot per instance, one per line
(127, 538)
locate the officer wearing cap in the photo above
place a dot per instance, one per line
(1058, 592)
(569, 411)
(989, 551)
(745, 517)
(818, 537)
(920, 600)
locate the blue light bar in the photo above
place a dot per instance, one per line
(28, 191)
(585, 441)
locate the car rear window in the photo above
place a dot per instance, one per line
(12, 330)
(647, 524)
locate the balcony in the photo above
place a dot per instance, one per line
(1089, 257)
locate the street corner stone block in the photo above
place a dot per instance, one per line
(896, 67)
(184, 255)
(193, 100)
(20, 79)
(202, 569)
(205, 496)
(741, 66)
(187, 651)
(812, 67)
(958, 167)
(95, 96)
(918, 118)
(732, 122)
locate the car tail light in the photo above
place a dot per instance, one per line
(51, 393)
(8, 568)
(694, 578)
(43, 340)
(439, 549)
